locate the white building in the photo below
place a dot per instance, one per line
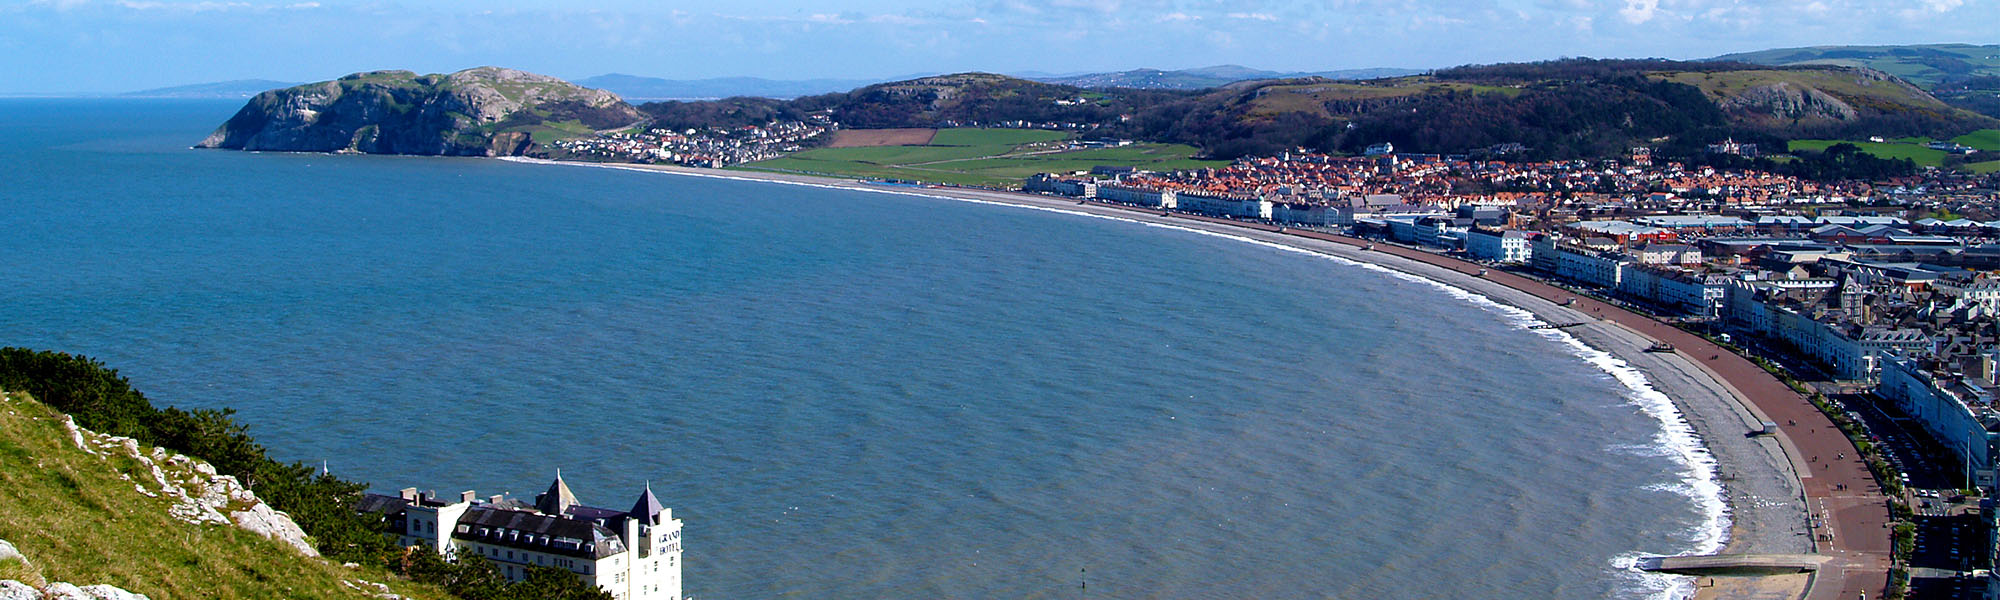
(1310, 213)
(1142, 196)
(1241, 206)
(1676, 290)
(1498, 246)
(1577, 264)
(632, 554)
(1960, 414)
(1065, 186)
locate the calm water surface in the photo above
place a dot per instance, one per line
(844, 395)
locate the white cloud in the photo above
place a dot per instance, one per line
(1253, 16)
(1639, 11)
(1176, 17)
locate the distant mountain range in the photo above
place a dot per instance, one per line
(241, 88)
(638, 88)
(1208, 77)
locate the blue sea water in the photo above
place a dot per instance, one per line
(845, 394)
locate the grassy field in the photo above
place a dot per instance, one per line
(1312, 97)
(1983, 167)
(990, 157)
(77, 520)
(1923, 156)
(1984, 139)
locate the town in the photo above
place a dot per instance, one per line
(1877, 298)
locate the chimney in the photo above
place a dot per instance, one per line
(410, 494)
(496, 498)
(466, 497)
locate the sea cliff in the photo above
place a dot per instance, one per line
(486, 111)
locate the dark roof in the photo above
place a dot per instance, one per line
(558, 499)
(378, 503)
(648, 508)
(538, 532)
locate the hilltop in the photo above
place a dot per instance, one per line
(1927, 65)
(486, 111)
(1963, 75)
(1559, 109)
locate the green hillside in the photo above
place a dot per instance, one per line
(985, 157)
(1926, 65)
(78, 519)
(1570, 108)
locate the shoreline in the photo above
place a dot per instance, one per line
(1761, 481)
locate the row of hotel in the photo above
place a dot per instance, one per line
(1873, 284)
(1868, 297)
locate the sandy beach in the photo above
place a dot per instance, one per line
(1768, 483)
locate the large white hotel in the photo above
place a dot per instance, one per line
(633, 554)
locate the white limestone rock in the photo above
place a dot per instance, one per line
(9, 552)
(15, 590)
(106, 592)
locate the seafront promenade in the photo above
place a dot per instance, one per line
(1804, 489)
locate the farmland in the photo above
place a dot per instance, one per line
(985, 157)
(1914, 151)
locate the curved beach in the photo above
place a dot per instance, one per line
(1769, 483)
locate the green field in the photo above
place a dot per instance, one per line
(1984, 139)
(1916, 152)
(1983, 168)
(989, 157)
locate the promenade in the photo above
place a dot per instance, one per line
(1849, 514)
(1851, 511)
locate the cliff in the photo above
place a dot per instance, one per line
(486, 111)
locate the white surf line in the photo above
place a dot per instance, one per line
(1677, 438)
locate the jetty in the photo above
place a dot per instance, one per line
(1734, 564)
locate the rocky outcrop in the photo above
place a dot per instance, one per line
(487, 111)
(15, 590)
(199, 494)
(1786, 100)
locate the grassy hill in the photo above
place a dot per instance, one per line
(1928, 65)
(79, 519)
(1560, 109)
(1963, 75)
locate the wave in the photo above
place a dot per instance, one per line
(1676, 438)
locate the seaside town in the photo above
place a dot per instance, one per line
(1876, 297)
(708, 148)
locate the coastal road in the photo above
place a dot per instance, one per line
(1850, 514)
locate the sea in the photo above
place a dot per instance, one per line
(847, 394)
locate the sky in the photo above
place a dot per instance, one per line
(99, 46)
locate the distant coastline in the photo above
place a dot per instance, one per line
(1754, 477)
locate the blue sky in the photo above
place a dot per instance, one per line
(60, 46)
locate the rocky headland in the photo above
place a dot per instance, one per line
(485, 111)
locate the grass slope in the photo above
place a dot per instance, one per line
(1913, 150)
(989, 157)
(78, 521)
(1984, 139)
(1925, 65)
